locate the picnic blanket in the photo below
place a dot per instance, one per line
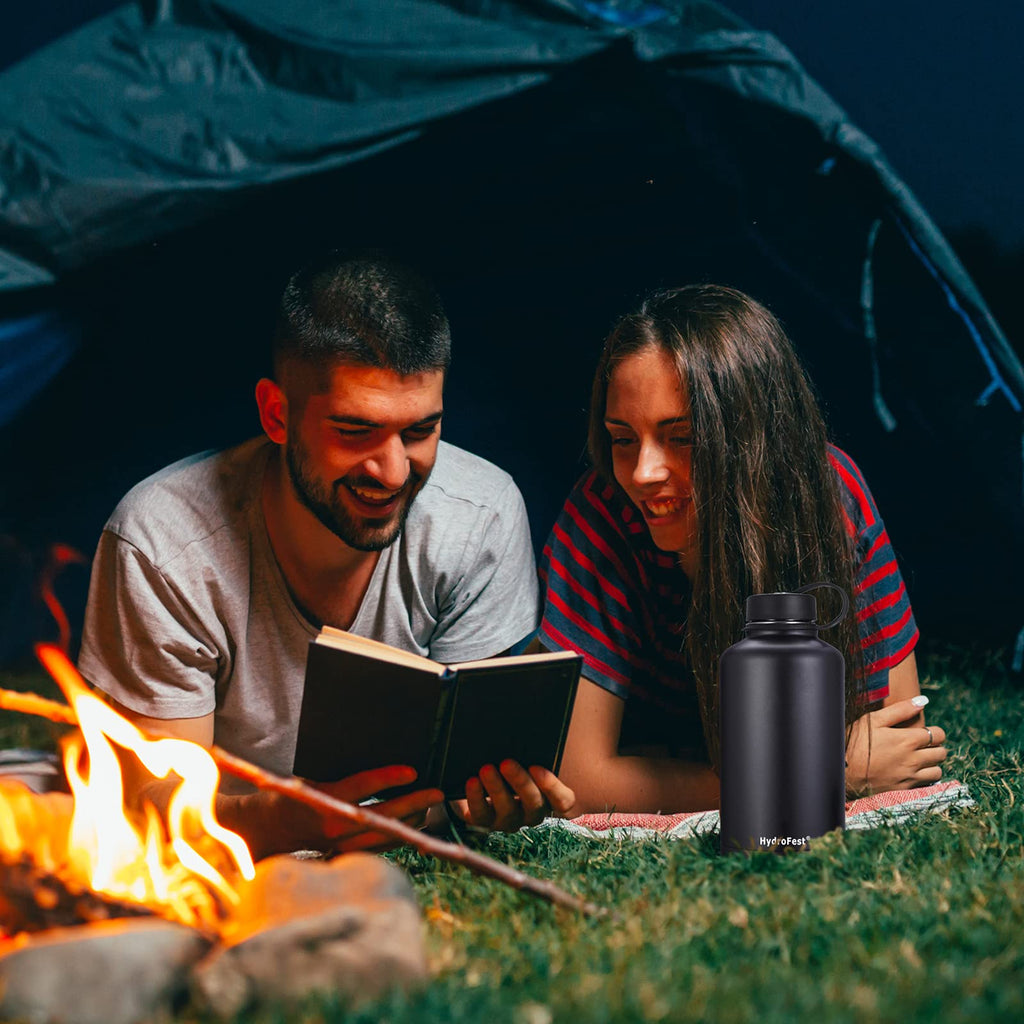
(867, 812)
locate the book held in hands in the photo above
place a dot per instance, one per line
(367, 705)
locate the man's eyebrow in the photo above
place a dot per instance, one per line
(358, 421)
(354, 421)
(670, 422)
(427, 420)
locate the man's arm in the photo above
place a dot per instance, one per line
(270, 822)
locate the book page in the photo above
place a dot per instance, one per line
(516, 659)
(332, 637)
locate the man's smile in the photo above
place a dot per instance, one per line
(375, 499)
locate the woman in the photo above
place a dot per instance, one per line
(713, 479)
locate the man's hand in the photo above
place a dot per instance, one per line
(904, 753)
(345, 835)
(272, 823)
(506, 800)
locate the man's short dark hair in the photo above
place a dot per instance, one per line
(367, 310)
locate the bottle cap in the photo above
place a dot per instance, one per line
(782, 607)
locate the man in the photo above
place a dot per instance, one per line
(212, 576)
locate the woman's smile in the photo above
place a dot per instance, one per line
(657, 510)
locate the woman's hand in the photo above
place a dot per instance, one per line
(506, 798)
(903, 753)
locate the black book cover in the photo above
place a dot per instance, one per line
(518, 711)
(359, 712)
(362, 711)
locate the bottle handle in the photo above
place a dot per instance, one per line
(842, 594)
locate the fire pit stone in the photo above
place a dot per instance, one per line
(106, 972)
(350, 926)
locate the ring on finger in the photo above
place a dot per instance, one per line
(931, 738)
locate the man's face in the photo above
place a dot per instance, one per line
(358, 453)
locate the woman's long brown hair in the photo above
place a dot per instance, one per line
(769, 512)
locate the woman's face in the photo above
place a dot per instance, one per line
(647, 416)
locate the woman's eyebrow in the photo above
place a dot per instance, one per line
(670, 422)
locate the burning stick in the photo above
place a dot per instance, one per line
(56, 661)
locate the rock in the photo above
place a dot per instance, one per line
(110, 972)
(351, 925)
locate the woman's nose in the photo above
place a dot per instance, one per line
(651, 466)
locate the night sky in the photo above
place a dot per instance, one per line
(937, 84)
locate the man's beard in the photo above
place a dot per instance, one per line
(330, 511)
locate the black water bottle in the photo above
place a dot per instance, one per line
(782, 718)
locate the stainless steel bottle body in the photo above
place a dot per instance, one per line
(782, 719)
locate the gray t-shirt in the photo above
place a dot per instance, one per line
(189, 613)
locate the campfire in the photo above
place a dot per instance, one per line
(145, 909)
(185, 869)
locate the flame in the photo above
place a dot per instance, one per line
(59, 556)
(180, 873)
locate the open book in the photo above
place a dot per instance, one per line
(367, 705)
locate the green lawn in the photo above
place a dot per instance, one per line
(915, 922)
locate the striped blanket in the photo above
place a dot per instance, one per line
(868, 812)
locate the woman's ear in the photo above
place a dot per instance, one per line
(273, 407)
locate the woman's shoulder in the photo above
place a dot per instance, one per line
(601, 506)
(856, 495)
(848, 470)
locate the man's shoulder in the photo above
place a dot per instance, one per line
(189, 500)
(462, 478)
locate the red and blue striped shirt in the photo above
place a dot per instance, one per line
(621, 603)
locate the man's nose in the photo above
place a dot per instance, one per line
(389, 464)
(651, 466)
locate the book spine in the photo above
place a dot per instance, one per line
(441, 729)
(574, 672)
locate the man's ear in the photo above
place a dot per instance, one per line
(273, 406)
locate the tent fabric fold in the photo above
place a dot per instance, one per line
(152, 117)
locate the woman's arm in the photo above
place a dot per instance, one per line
(904, 684)
(891, 748)
(901, 754)
(604, 781)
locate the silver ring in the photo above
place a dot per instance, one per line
(931, 738)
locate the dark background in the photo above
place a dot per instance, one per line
(935, 89)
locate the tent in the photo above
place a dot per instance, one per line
(546, 162)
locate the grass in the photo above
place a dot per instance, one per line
(921, 921)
